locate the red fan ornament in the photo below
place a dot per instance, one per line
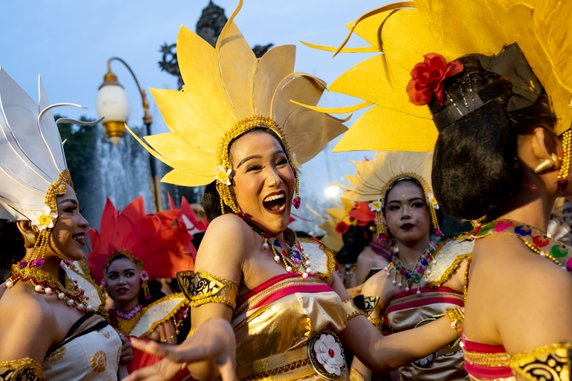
(159, 240)
(427, 78)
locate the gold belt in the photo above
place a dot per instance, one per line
(309, 360)
(292, 365)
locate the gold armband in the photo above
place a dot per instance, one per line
(369, 304)
(22, 369)
(456, 317)
(351, 310)
(202, 287)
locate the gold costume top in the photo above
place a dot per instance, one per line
(286, 327)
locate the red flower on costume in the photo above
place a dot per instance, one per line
(342, 227)
(427, 79)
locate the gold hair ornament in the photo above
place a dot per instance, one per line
(375, 177)
(403, 32)
(227, 92)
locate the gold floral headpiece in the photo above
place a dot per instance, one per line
(228, 91)
(375, 177)
(404, 32)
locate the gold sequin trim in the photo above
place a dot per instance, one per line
(99, 362)
(21, 369)
(450, 270)
(487, 359)
(203, 287)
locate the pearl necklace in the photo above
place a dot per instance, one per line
(403, 276)
(45, 283)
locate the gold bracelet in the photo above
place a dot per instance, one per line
(456, 317)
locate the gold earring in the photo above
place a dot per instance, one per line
(544, 165)
(30, 239)
(552, 163)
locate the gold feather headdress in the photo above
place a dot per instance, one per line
(228, 91)
(375, 177)
(405, 31)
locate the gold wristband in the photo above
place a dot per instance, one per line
(456, 317)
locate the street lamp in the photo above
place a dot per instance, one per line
(113, 106)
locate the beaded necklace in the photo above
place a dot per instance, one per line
(536, 240)
(403, 276)
(45, 283)
(128, 315)
(291, 257)
(126, 321)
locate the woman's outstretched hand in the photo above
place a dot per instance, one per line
(213, 341)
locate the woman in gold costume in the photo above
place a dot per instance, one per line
(424, 278)
(497, 80)
(48, 326)
(235, 122)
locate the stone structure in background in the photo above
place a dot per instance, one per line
(209, 26)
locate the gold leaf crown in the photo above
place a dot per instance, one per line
(228, 91)
(375, 177)
(404, 32)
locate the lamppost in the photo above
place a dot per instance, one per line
(113, 106)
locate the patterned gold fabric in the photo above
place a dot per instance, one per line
(546, 363)
(25, 369)
(90, 353)
(274, 324)
(202, 287)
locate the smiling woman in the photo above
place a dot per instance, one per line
(236, 126)
(48, 328)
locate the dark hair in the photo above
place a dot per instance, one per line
(211, 199)
(12, 247)
(356, 238)
(476, 170)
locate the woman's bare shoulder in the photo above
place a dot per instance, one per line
(226, 244)
(24, 315)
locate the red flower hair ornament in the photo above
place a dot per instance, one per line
(427, 78)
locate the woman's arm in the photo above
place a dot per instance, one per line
(222, 253)
(212, 341)
(383, 353)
